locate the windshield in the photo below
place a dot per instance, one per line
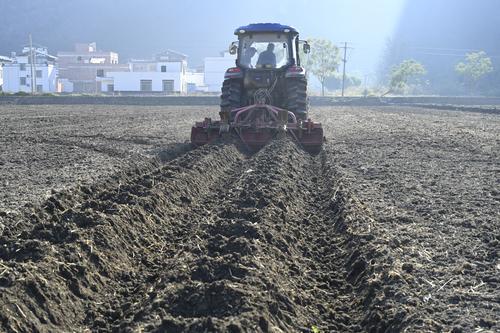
(264, 50)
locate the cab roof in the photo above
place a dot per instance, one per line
(264, 27)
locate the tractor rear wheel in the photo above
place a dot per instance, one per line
(230, 98)
(296, 96)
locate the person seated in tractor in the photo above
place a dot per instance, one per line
(246, 59)
(267, 58)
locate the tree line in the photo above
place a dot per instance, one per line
(405, 77)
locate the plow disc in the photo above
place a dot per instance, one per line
(256, 125)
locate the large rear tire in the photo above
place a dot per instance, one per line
(231, 96)
(296, 96)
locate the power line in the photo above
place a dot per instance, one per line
(452, 55)
(32, 61)
(441, 49)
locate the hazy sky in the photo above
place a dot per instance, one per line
(197, 28)
(366, 24)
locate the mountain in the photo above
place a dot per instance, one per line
(440, 33)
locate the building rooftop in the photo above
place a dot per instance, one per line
(170, 55)
(5, 59)
(39, 51)
(165, 56)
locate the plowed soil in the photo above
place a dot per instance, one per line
(111, 221)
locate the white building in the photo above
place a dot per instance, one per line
(79, 69)
(22, 76)
(215, 67)
(165, 74)
(3, 60)
(195, 81)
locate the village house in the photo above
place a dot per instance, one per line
(33, 70)
(80, 70)
(3, 60)
(164, 74)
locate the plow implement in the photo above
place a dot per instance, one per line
(258, 124)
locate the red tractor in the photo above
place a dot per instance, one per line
(266, 93)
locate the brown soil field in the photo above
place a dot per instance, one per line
(111, 221)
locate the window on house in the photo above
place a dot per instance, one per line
(100, 73)
(111, 87)
(22, 67)
(38, 73)
(39, 88)
(168, 86)
(22, 81)
(163, 69)
(146, 85)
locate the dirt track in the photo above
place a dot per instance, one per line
(395, 225)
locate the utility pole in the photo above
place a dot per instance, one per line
(344, 60)
(34, 65)
(365, 84)
(32, 60)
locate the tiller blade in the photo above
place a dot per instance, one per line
(257, 124)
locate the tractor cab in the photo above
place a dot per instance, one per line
(267, 46)
(267, 69)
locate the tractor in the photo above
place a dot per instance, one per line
(265, 94)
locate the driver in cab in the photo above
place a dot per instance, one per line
(246, 60)
(267, 58)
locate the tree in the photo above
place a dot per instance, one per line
(402, 73)
(323, 60)
(477, 65)
(395, 51)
